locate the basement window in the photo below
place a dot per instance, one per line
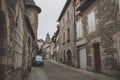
(118, 42)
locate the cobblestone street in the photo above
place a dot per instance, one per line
(37, 73)
(55, 71)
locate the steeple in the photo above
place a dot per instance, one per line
(47, 38)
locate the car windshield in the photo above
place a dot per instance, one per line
(38, 58)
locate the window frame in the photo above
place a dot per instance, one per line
(91, 22)
(118, 44)
(119, 5)
(79, 29)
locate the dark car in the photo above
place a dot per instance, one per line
(38, 61)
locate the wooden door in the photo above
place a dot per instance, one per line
(97, 59)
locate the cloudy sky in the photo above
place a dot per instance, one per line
(51, 10)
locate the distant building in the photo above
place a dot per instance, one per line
(54, 46)
(40, 44)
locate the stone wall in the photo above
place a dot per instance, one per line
(67, 22)
(106, 34)
(12, 37)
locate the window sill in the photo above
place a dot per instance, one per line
(93, 32)
(77, 39)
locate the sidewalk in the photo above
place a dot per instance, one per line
(95, 76)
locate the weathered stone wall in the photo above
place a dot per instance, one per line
(106, 33)
(67, 45)
(108, 28)
(32, 14)
(5, 47)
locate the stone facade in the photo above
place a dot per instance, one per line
(67, 34)
(55, 46)
(14, 31)
(102, 50)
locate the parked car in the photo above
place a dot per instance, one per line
(38, 61)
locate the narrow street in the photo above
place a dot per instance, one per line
(55, 71)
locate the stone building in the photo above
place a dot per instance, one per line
(81, 61)
(14, 28)
(54, 46)
(11, 39)
(99, 42)
(30, 32)
(67, 33)
(40, 44)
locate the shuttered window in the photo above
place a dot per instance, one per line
(91, 22)
(118, 42)
(119, 5)
(79, 29)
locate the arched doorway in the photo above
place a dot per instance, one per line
(3, 48)
(69, 57)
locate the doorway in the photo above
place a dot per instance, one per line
(97, 58)
(69, 57)
(82, 58)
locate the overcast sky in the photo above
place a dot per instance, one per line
(47, 22)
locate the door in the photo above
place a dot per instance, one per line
(97, 59)
(64, 56)
(82, 56)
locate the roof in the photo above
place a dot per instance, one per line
(31, 3)
(64, 9)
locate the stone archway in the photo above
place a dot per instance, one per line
(3, 46)
(69, 57)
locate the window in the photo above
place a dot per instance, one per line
(118, 42)
(91, 22)
(79, 29)
(63, 38)
(67, 16)
(119, 5)
(68, 34)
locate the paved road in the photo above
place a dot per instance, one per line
(37, 73)
(55, 71)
